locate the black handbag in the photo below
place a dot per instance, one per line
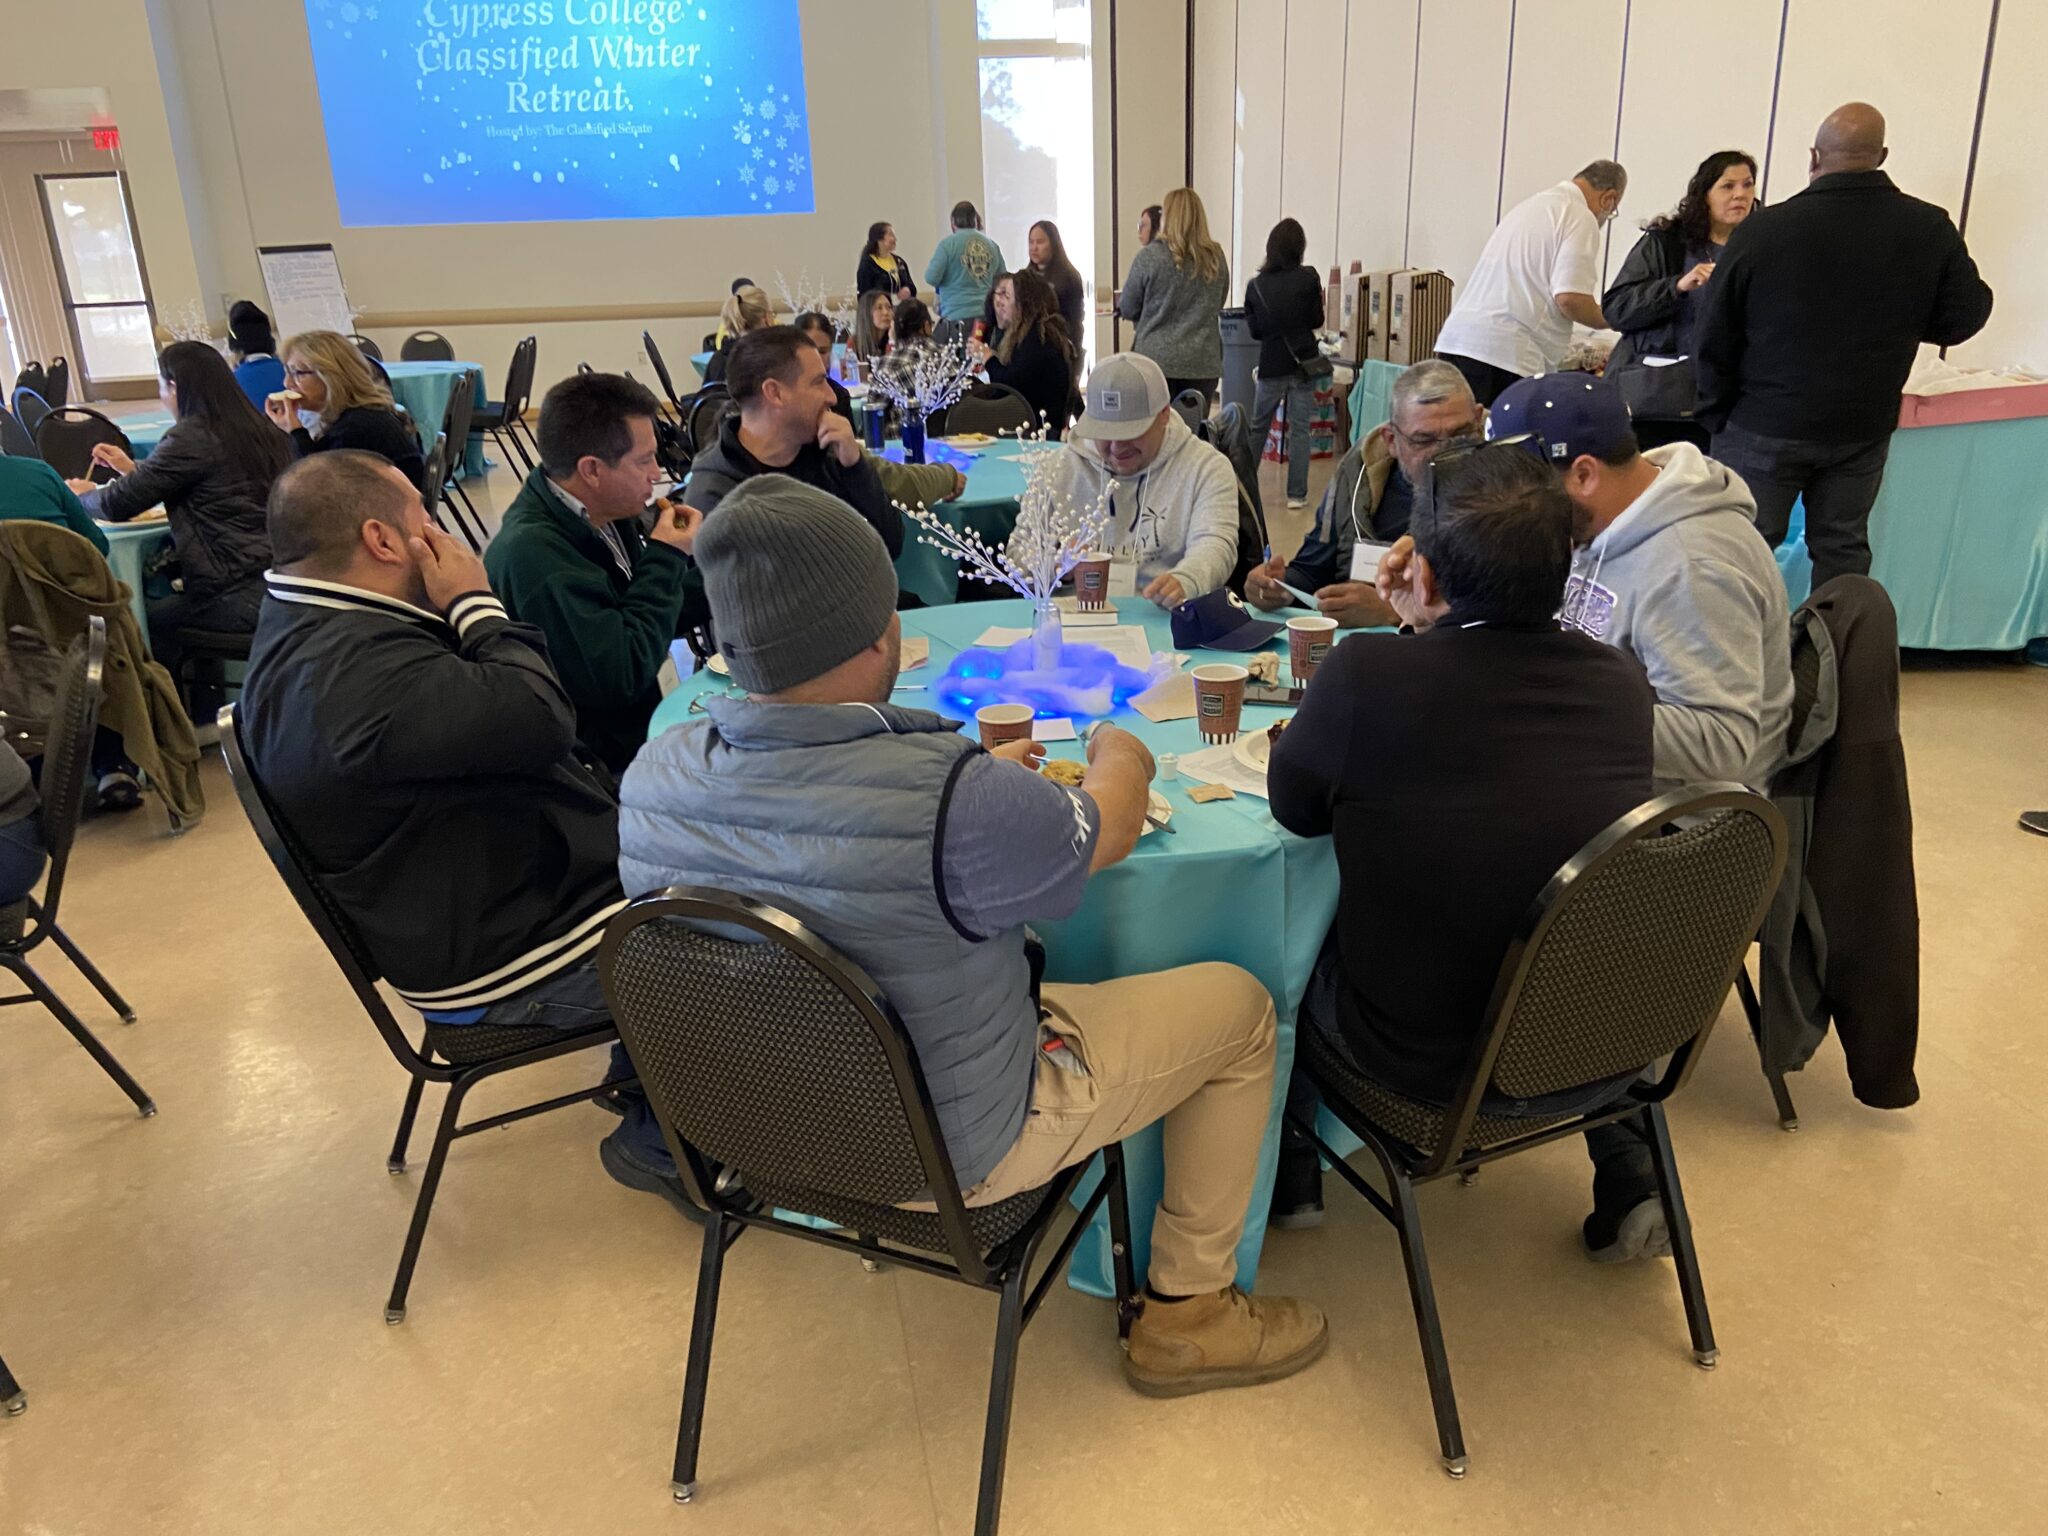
(1667, 393)
(1308, 356)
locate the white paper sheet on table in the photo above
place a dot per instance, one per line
(1053, 730)
(998, 638)
(1222, 765)
(1128, 643)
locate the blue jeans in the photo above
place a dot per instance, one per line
(21, 858)
(571, 1000)
(1299, 392)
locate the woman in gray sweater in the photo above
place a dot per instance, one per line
(1175, 295)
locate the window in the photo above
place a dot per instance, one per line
(1038, 129)
(106, 299)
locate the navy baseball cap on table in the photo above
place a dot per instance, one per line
(1218, 622)
(1572, 413)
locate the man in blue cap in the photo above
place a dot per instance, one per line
(1669, 567)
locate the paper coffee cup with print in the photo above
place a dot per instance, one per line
(1308, 641)
(1091, 580)
(1004, 722)
(1219, 700)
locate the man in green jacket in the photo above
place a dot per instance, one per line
(571, 560)
(30, 488)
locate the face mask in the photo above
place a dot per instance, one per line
(310, 420)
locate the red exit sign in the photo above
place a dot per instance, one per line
(107, 138)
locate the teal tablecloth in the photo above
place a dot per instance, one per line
(1958, 537)
(129, 546)
(422, 388)
(995, 487)
(1229, 884)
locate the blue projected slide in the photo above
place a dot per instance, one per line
(513, 111)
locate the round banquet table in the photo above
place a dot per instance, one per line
(989, 506)
(1229, 883)
(422, 388)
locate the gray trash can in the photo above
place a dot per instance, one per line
(1240, 360)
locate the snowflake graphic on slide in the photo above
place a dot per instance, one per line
(759, 153)
(767, 109)
(747, 174)
(795, 165)
(781, 141)
(771, 186)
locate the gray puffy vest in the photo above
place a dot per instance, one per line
(830, 812)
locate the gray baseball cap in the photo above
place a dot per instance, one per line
(1126, 393)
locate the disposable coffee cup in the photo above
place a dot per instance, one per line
(1219, 701)
(1091, 581)
(1308, 642)
(1004, 722)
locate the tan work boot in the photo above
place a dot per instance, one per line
(1225, 1339)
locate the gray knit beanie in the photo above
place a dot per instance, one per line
(797, 582)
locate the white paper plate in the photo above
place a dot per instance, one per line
(1161, 807)
(1255, 747)
(716, 663)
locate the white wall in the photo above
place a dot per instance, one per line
(1508, 96)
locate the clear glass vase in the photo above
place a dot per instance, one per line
(1045, 635)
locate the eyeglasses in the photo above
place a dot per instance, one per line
(1463, 448)
(297, 371)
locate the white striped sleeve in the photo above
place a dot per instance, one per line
(472, 608)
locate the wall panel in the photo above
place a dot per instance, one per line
(1312, 119)
(1261, 95)
(1564, 88)
(1461, 93)
(1379, 100)
(2008, 228)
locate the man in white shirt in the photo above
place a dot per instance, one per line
(1173, 524)
(1540, 271)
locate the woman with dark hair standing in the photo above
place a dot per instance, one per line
(1036, 356)
(1148, 224)
(1655, 299)
(1049, 260)
(1284, 307)
(881, 268)
(212, 471)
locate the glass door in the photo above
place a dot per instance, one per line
(106, 295)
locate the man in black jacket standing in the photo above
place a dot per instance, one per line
(418, 744)
(1809, 330)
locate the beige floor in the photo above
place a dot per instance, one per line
(195, 1302)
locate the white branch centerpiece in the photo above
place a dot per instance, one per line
(1053, 533)
(923, 378)
(803, 299)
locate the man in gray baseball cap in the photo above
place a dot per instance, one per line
(1173, 527)
(921, 857)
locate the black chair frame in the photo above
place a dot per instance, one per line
(426, 347)
(66, 428)
(1752, 1009)
(455, 427)
(1002, 1270)
(660, 366)
(1404, 1168)
(12, 1398)
(994, 402)
(66, 752)
(367, 347)
(29, 409)
(505, 422)
(459, 1078)
(16, 441)
(59, 380)
(702, 414)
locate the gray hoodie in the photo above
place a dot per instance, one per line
(1684, 582)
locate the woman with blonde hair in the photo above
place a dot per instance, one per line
(331, 399)
(747, 310)
(1175, 295)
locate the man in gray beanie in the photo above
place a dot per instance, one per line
(921, 857)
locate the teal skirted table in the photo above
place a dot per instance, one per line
(1959, 534)
(422, 388)
(995, 488)
(129, 547)
(1229, 884)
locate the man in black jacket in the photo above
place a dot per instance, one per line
(417, 743)
(786, 426)
(1456, 770)
(1809, 330)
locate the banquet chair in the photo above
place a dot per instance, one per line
(67, 436)
(504, 421)
(995, 409)
(456, 426)
(1253, 540)
(15, 439)
(12, 1398)
(660, 364)
(707, 408)
(1624, 959)
(30, 408)
(784, 1082)
(1191, 405)
(426, 347)
(59, 379)
(65, 745)
(370, 350)
(469, 1054)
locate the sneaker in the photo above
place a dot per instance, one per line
(2035, 821)
(1297, 1191)
(119, 791)
(632, 1171)
(1223, 1339)
(1296, 503)
(1640, 1233)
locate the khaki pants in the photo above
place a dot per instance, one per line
(1192, 1046)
